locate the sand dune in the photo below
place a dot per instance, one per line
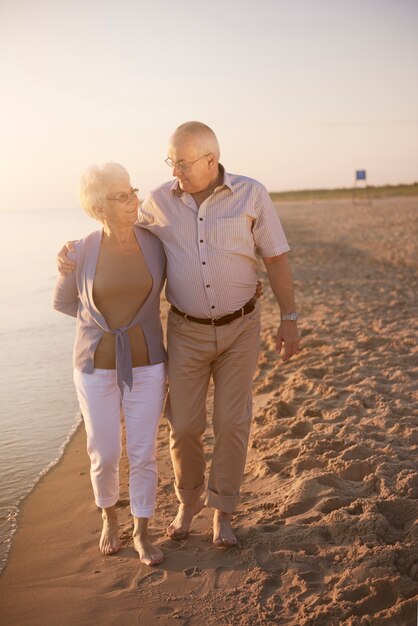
(327, 523)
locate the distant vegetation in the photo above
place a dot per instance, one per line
(384, 191)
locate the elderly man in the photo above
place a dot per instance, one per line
(211, 223)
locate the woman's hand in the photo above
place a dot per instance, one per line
(259, 289)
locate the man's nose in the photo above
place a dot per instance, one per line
(176, 170)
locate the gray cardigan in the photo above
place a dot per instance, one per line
(73, 295)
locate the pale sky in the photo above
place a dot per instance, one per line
(300, 93)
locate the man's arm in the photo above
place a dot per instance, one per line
(281, 281)
(65, 265)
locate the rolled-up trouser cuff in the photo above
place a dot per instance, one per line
(106, 503)
(226, 504)
(188, 496)
(144, 511)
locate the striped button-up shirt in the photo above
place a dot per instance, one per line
(211, 249)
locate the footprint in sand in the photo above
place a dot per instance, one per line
(357, 453)
(357, 471)
(269, 582)
(192, 571)
(299, 430)
(327, 505)
(307, 463)
(219, 573)
(312, 411)
(153, 578)
(289, 450)
(371, 599)
(269, 589)
(400, 513)
(281, 409)
(270, 433)
(351, 593)
(293, 509)
(266, 562)
(224, 578)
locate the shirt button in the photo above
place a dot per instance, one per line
(203, 262)
(208, 286)
(212, 307)
(200, 219)
(201, 241)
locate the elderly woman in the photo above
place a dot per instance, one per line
(119, 357)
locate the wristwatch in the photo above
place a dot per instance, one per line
(292, 317)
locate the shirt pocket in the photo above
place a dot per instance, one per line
(234, 233)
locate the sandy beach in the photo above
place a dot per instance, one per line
(327, 523)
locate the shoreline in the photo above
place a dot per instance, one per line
(47, 505)
(15, 511)
(327, 521)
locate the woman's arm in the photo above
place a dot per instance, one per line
(65, 295)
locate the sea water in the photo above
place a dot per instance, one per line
(38, 404)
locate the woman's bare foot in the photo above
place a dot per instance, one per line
(148, 553)
(109, 540)
(180, 526)
(223, 535)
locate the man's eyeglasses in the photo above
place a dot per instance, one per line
(183, 165)
(123, 197)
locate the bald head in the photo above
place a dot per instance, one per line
(193, 153)
(199, 135)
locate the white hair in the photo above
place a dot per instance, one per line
(208, 142)
(94, 186)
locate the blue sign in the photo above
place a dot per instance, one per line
(360, 174)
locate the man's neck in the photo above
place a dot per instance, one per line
(201, 196)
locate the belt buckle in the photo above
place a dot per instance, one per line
(214, 320)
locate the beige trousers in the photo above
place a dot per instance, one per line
(195, 353)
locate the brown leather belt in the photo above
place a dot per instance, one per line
(219, 321)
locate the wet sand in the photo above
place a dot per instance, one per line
(327, 523)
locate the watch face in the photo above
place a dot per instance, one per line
(293, 316)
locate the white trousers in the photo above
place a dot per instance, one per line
(100, 403)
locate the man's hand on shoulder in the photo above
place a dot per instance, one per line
(287, 339)
(64, 264)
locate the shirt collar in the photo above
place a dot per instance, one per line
(226, 182)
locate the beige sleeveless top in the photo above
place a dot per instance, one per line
(122, 283)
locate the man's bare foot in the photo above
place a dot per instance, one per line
(109, 540)
(223, 536)
(148, 553)
(180, 526)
